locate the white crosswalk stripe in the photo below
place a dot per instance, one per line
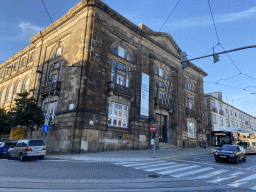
(193, 172)
(226, 178)
(211, 174)
(133, 165)
(159, 168)
(179, 169)
(154, 165)
(243, 181)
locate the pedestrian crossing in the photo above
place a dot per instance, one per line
(191, 171)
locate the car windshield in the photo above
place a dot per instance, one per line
(36, 143)
(229, 148)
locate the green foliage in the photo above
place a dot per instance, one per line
(5, 122)
(26, 112)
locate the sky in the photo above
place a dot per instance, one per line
(190, 23)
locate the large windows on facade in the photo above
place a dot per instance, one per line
(213, 103)
(121, 52)
(160, 72)
(10, 93)
(191, 129)
(23, 61)
(3, 95)
(214, 119)
(117, 115)
(159, 89)
(55, 72)
(26, 87)
(32, 56)
(220, 107)
(51, 109)
(190, 101)
(120, 73)
(15, 66)
(18, 89)
(190, 86)
(221, 121)
(227, 123)
(9, 70)
(2, 74)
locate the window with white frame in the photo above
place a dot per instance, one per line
(220, 107)
(191, 129)
(117, 115)
(10, 93)
(221, 121)
(120, 73)
(214, 119)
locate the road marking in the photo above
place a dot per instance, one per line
(180, 169)
(159, 168)
(154, 165)
(131, 165)
(211, 174)
(243, 181)
(226, 178)
(193, 172)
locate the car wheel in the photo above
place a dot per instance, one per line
(9, 156)
(22, 157)
(41, 157)
(244, 159)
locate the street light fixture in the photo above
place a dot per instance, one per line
(47, 105)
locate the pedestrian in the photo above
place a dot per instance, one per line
(204, 144)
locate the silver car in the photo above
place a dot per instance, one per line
(27, 148)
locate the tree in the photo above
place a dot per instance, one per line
(27, 113)
(5, 122)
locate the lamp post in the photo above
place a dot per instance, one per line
(47, 105)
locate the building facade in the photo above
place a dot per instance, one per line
(219, 115)
(108, 80)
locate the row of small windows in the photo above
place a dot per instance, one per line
(17, 90)
(15, 66)
(228, 124)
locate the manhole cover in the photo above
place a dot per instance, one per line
(153, 176)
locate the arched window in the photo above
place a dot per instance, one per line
(16, 66)
(27, 85)
(3, 95)
(190, 86)
(10, 93)
(23, 61)
(121, 52)
(2, 74)
(18, 88)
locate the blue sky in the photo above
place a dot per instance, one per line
(190, 25)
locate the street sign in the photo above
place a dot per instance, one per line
(47, 117)
(45, 128)
(152, 128)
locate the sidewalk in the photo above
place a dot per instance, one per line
(133, 155)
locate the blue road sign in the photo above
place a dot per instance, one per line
(45, 128)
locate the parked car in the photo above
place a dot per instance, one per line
(230, 153)
(4, 147)
(27, 148)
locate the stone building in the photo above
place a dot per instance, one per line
(223, 116)
(109, 80)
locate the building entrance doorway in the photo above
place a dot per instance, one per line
(162, 127)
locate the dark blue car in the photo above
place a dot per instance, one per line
(4, 147)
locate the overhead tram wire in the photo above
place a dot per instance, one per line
(214, 22)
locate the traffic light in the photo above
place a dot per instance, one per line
(153, 135)
(216, 58)
(183, 60)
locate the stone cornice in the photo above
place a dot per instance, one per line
(198, 69)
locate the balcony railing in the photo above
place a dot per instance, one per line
(214, 109)
(193, 113)
(167, 104)
(55, 88)
(120, 90)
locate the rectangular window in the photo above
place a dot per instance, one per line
(161, 95)
(121, 51)
(160, 72)
(127, 76)
(214, 119)
(221, 121)
(117, 115)
(23, 61)
(120, 80)
(58, 52)
(32, 57)
(220, 107)
(213, 103)
(120, 66)
(191, 129)
(51, 110)
(15, 65)
(190, 101)
(113, 70)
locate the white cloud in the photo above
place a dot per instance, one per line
(26, 30)
(221, 18)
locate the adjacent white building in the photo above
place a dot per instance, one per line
(219, 114)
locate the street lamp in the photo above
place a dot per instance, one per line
(47, 105)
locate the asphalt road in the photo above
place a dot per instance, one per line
(183, 174)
